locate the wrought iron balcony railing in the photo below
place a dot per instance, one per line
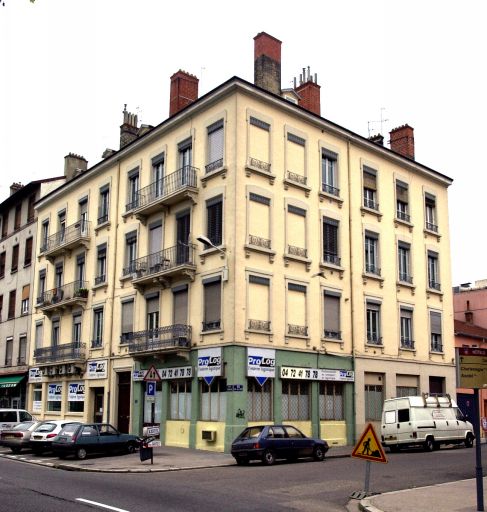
(259, 241)
(333, 335)
(259, 164)
(371, 204)
(404, 277)
(329, 189)
(169, 185)
(297, 330)
(162, 261)
(403, 216)
(407, 343)
(374, 338)
(67, 236)
(211, 326)
(431, 227)
(297, 251)
(102, 216)
(100, 279)
(213, 166)
(64, 352)
(260, 325)
(434, 285)
(329, 257)
(436, 346)
(370, 268)
(163, 338)
(68, 292)
(297, 178)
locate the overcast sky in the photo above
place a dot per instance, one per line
(69, 66)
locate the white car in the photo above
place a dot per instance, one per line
(41, 438)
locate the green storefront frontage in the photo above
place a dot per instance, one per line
(204, 409)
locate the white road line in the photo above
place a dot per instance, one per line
(101, 505)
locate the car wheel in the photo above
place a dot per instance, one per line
(429, 444)
(268, 458)
(469, 441)
(318, 453)
(81, 453)
(15, 449)
(130, 447)
(242, 461)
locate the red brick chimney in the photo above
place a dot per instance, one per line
(402, 140)
(267, 62)
(128, 130)
(184, 90)
(309, 92)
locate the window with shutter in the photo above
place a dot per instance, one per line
(127, 320)
(15, 258)
(330, 241)
(214, 220)
(212, 304)
(435, 327)
(332, 315)
(28, 252)
(11, 303)
(180, 305)
(215, 146)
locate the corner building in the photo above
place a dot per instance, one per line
(258, 262)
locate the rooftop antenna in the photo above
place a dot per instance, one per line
(381, 121)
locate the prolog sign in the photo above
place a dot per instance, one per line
(473, 367)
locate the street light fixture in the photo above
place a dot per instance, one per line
(206, 241)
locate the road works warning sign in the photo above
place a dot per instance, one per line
(368, 446)
(152, 375)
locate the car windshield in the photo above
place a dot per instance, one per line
(46, 427)
(69, 429)
(251, 432)
(24, 426)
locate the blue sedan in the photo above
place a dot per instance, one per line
(270, 442)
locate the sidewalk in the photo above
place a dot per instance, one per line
(458, 496)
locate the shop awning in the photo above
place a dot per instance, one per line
(10, 381)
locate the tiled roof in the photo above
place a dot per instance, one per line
(470, 330)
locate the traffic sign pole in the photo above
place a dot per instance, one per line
(478, 453)
(367, 477)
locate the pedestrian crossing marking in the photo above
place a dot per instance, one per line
(368, 446)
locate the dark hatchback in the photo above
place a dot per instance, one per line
(270, 442)
(80, 440)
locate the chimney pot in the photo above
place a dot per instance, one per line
(128, 130)
(267, 62)
(15, 187)
(184, 91)
(73, 165)
(402, 140)
(309, 92)
(377, 139)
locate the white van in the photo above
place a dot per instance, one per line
(10, 417)
(424, 420)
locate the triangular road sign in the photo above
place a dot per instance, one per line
(152, 374)
(368, 446)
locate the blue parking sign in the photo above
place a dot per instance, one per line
(150, 388)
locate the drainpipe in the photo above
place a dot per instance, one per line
(114, 240)
(350, 238)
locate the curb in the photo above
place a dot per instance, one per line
(142, 469)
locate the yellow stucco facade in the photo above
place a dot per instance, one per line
(275, 203)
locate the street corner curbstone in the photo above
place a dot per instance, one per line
(366, 506)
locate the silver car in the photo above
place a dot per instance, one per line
(41, 438)
(18, 437)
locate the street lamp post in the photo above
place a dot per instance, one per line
(206, 241)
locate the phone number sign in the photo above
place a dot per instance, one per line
(292, 372)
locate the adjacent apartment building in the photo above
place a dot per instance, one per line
(17, 261)
(470, 309)
(244, 261)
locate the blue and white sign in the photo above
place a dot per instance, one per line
(35, 375)
(261, 364)
(150, 388)
(138, 375)
(291, 372)
(76, 392)
(54, 392)
(97, 369)
(209, 364)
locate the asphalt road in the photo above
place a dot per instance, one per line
(304, 486)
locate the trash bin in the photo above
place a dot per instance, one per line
(146, 451)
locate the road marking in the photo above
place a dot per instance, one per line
(101, 505)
